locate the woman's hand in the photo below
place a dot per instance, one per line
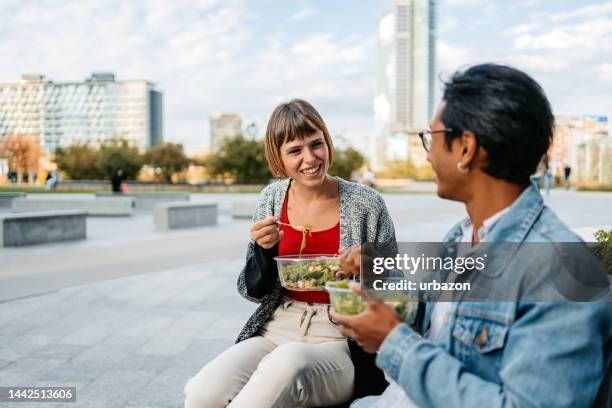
(266, 232)
(350, 262)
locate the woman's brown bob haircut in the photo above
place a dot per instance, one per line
(294, 119)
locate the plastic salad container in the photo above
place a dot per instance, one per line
(308, 272)
(343, 300)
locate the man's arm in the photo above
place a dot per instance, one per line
(553, 356)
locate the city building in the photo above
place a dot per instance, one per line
(568, 131)
(594, 152)
(585, 144)
(92, 111)
(223, 126)
(405, 80)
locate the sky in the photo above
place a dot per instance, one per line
(246, 56)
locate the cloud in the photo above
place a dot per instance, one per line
(303, 13)
(319, 66)
(568, 53)
(203, 55)
(605, 71)
(526, 3)
(586, 12)
(447, 23)
(466, 3)
(594, 34)
(451, 57)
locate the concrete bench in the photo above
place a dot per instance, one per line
(243, 209)
(148, 199)
(111, 206)
(42, 227)
(6, 199)
(185, 215)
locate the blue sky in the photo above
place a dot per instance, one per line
(246, 56)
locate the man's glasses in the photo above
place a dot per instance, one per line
(426, 136)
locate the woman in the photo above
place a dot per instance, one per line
(290, 353)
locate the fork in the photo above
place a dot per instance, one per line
(297, 227)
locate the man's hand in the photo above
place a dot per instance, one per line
(350, 261)
(369, 328)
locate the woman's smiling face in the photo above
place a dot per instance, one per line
(306, 160)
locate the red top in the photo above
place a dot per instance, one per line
(317, 242)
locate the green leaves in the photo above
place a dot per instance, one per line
(169, 158)
(242, 159)
(84, 162)
(345, 162)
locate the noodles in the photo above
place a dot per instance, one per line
(305, 231)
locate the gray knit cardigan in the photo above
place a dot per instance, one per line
(363, 218)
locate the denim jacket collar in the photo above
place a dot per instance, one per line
(514, 225)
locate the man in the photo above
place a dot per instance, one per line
(567, 171)
(117, 180)
(486, 139)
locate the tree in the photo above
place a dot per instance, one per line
(345, 162)
(401, 169)
(169, 158)
(79, 162)
(23, 152)
(243, 159)
(118, 154)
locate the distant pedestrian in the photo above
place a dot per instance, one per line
(13, 176)
(548, 178)
(536, 178)
(369, 179)
(567, 171)
(52, 180)
(117, 180)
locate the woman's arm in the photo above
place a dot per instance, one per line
(385, 231)
(259, 275)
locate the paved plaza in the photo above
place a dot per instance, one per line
(128, 315)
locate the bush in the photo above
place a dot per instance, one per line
(79, 162)
(83, 162)
(169, 158)
(119, 154)
(345, 162)
(603, 248)
(242, 159)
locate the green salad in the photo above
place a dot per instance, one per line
(344, 301)
(309, 274)
(405, 309)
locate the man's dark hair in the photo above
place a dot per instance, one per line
(509, 114)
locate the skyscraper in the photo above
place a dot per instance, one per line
(405, 80)
(91, 111)
(223, 126)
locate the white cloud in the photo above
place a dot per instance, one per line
(586, 12)
(526, 3)
(605, 71)
(537, 63)
(593, 34)
(466, 3)
(447, 23)
(451, 57)
(203, 55)
(303, 13)
(568, 52)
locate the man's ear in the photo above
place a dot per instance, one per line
(469, 149)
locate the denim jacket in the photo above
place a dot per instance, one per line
(507, 354)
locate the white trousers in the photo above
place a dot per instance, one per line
(299, 360)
